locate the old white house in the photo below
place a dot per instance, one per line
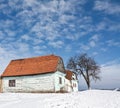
(38, 74)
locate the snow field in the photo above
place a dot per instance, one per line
(83, 99)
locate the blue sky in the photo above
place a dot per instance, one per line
(63, 27)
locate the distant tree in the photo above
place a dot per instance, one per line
(85, 66)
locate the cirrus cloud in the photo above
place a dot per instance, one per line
(107, 7)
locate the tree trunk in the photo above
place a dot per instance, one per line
(88, 85)
(86, 79)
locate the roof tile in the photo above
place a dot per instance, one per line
(31, 66)
(69, 74)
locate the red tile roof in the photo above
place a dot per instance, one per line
(69, 74)
(32, 66)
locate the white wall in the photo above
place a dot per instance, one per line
(35, 83)
(75, 88)
(69, 85)
(74, 82)
(38, 83)
(57, 85)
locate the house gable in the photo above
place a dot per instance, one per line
(60, 66)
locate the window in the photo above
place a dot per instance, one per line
(11, 83)
(74, 84)
(73, 78)
(60, 80)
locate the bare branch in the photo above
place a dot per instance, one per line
(85, 66)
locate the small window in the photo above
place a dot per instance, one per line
(75, 85)
(73, 78)
(11, 83)
(60, 80)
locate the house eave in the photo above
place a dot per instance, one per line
(28, 74)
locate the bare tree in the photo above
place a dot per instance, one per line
(85, 66)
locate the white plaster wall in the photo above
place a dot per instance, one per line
(74, 81)
(35, 83)
(57, 85)
(75, 89)
(39, 83)
(68, 85)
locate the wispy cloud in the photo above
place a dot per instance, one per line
(68, 48)
(93, 41)
(37, 25)
(84, 47)
(56, 44)
(107, 25)
(95, 53)
(29, 25)
(113, 43)
(1, 35)
(40, 49)
(107, 7)
(103, 49)
(112, 62)
(23, 47)
(95, 38)
(26, 37)
(110, 75)
(5, 56)
(45, 19)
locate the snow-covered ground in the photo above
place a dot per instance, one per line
(83, 99)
